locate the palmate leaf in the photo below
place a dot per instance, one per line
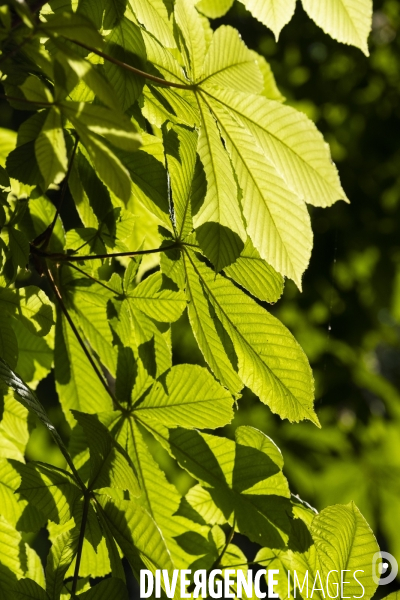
(50, 149)
(300, 555)
(191, 398)
(153, 15)
(219, 223)
(17, 560)
(27, 589)
(348, 21)
(136, 534)
(159, 497)
(204, 328)
(15, 509)
(291, 142)
(180, 148)
(72, 26)
(274, 14)
(244, 479)
(344, 540)
(110, 466)
(77, 384)
(255, 275)
(270, 361)
(277, 220)
(31, 306)
(153, 297)
(125, 42)
(230, 64)
(62, 552)
(193, 42)
(51, 490)
(14, 433)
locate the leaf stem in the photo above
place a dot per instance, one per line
(85, 512)
(58, 257)
(92, 278)
(123, 65)
(79, 338)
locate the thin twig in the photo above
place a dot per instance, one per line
(44, 238)
(58, 257)
(79, 338)
(123, 65)
(92, 278)
(85, 512)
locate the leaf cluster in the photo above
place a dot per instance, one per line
(190, 178)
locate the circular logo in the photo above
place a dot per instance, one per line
(384, 568)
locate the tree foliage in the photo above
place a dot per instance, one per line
(187, 176)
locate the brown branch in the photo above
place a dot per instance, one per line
(82, 344)
(134, 70)
(59, 258)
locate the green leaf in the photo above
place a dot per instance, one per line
(274, 14)
(27, 589)
(73, 26)
(31, 306)
(277, 220)
(110, 466)
(344, 540)
(15, 509)
(157, 300)
(214, 8)
(180, 148)
(136, 534)
(50, 149)
(17, 560)
(35, 356)
(35, 90)
(194, 43)
(205, 331)
(348, 21)
(255, 275)
(230, 64)
(62, 552)
(19, 247)
(30, 401)
(270, 361)
(191, 398)
(105, 589)
(153, 15)
(222, 234)
(14, 433)
(77, 384)
(8, 141)
(159, 497)
(244, 480)
(114, 127)
(51, 490)
(125, 42)
(8, 342)
(291, 142)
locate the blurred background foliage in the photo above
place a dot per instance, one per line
(347, 318)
